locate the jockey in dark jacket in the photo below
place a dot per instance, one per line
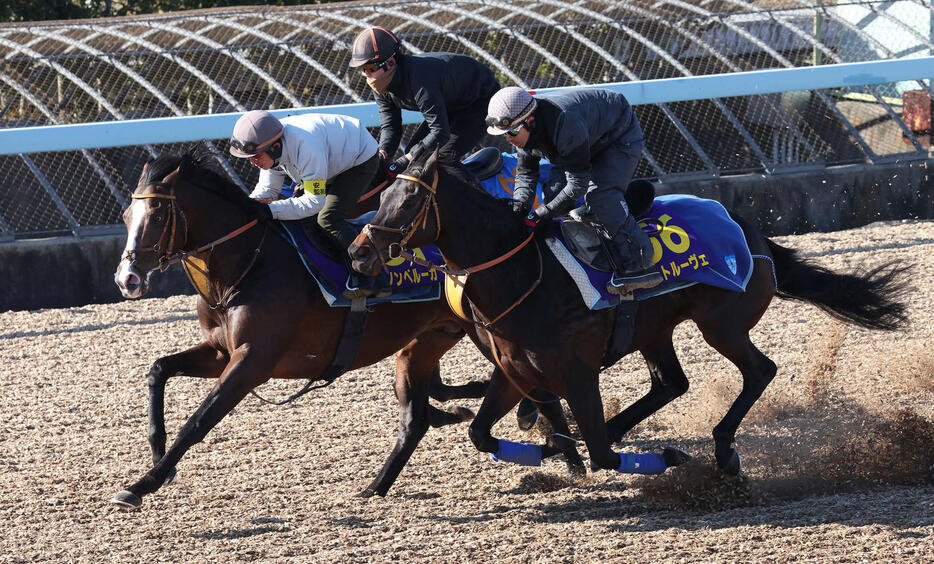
(594, 141)
(451, 91)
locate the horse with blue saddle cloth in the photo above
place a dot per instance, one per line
(541, 336)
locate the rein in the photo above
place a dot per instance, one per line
(397, 250)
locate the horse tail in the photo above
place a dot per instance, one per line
(870, 298)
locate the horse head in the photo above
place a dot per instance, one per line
(407, 216)
(178, 201)
(156, 228)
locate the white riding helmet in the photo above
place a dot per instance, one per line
(508, 108)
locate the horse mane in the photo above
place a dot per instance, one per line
(495, 206)
(199, 167)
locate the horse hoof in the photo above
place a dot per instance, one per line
(559, 442)
(127, 499)
(465, 414)
(170, 478)
(526, 415)
(577, 471)
(369, 492)
(674, 456)
(732, 466)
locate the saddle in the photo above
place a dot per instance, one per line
(485, 163)
(587, 241)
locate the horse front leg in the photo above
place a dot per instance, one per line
(501, 397)
(241, 375)
(200, 361)
(416, 369)
(583, 396)
(551, 409)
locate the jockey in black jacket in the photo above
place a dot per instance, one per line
(594, 142)
(451, 91)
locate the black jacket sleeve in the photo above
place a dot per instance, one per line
(390, 124)
(527, 173)
(574, 157)
(430, 102)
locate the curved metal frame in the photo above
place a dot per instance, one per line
(337, 23)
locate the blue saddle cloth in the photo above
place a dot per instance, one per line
(697, 243)
(410, 282)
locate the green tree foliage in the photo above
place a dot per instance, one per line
(43, 10)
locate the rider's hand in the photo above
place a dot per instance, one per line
(532, 220)
(263, 212)
(519, 208)
(397, 166)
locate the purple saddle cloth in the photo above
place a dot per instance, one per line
(410, 282)
(697, 242)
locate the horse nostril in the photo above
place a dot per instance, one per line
(362, 251)
(132, 281)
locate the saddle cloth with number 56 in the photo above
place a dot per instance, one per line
(695, 241)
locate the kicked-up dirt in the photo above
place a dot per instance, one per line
(838, 454)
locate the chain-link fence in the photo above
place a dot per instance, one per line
(236, 60)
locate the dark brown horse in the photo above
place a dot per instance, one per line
(543, 336)
(256, 295)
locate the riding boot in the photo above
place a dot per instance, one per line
(631, 252)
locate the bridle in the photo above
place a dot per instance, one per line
(418, 222)
(167, 255)
(397, 250)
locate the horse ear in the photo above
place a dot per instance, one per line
(431, 163)
(144, 174)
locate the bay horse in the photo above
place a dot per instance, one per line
(542, 336)
(257, 297)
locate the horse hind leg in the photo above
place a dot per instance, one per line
(668, 381)
(439, 391)
(757, 370)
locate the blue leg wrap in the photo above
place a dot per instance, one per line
(647, 463)
(518, 453)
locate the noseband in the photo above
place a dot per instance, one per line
(167, 256)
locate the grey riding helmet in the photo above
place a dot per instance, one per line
(374, 45)
(508, 108)
(253, 133)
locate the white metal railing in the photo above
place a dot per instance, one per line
(70, 137)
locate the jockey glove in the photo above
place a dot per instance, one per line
(397, 166)
(263, 211)
(520, 208)
(532, 220)
(542, 212)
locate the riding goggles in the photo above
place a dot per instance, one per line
(373, 67)
(513, 131)
(245, 147)
(249, 147)
(506, 124)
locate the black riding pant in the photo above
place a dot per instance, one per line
(341, 194)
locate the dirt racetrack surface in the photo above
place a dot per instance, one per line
(838, 454)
